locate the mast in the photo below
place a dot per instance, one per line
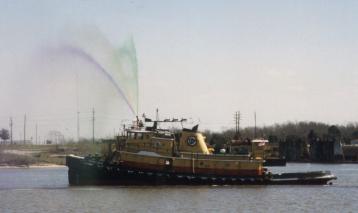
(157, 115)
(255, 130)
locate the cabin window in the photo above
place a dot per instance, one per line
(132, 135)
(140, 135)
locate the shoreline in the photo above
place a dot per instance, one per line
(32, 166)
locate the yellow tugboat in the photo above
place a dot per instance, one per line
(149, 155)
(184, 153)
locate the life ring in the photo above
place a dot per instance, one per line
(191, 141)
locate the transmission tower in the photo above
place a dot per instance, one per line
(237, 124)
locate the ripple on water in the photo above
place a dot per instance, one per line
(47, 190)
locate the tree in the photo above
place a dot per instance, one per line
(312, 135)
(4, 134)
(334, 132)
(355, 134)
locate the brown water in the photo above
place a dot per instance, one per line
(47, 190)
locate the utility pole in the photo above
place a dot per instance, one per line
(36, 134)
(78, 110)
(93, 125)
(255, 131)
(24, 128)
(11, 141)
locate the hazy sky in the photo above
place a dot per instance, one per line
(288, 60)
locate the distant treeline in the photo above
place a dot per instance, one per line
(279, 132)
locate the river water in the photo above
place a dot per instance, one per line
(47, 190)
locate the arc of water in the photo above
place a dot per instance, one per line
(129, 50)
(81, 53)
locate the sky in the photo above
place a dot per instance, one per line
(204, 60)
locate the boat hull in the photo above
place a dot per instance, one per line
(96, 172)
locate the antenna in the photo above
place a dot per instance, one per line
(157, 115)
(78, 126)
